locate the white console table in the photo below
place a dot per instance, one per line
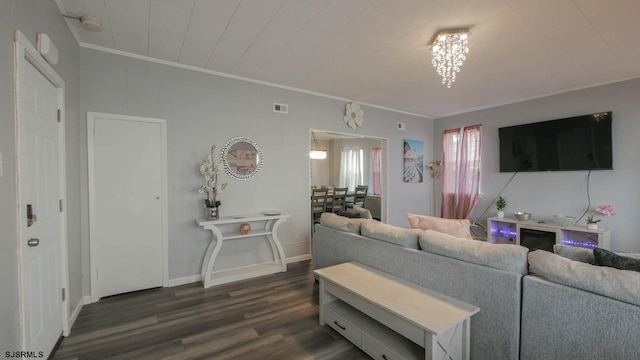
(270, 228)
(390, 318)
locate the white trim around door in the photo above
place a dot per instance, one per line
(25, 54)
(92, 117)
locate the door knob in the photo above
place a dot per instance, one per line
(33, 242)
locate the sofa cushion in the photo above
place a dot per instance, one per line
(507, 257)
(608, 258)
(617, 284)
(341, 223)
(391, 234)
(574, 253)
(455, 227)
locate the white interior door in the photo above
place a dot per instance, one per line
(126, 207)
(39, 184)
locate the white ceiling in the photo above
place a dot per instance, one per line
(376, 51)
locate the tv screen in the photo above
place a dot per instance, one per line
(576, 143)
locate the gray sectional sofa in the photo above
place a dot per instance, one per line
(575, 310)
(522, 316)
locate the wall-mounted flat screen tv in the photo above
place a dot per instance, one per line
(576, 143)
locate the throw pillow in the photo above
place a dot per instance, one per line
(356, 212)
(608, 258)
(364, 213)
(347, 213)
(454, 227)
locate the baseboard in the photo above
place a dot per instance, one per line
(298, 258)
(184, 280)
(76, 311)
(196, 278)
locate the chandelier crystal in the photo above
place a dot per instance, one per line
(449, 49)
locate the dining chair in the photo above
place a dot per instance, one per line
(318, 204)
(359, 196)
(338, 200)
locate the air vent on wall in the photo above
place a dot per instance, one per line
(280, 108)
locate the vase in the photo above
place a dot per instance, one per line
(500, 214)
(245, 228)
(592, 225)
(212, 213)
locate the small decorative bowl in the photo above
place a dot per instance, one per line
(522, 216)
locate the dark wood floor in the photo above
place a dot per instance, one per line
(270, 317)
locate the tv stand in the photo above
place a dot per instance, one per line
(509, 231)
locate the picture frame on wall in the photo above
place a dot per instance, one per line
(413, 169)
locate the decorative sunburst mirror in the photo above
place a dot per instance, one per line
(353, 115)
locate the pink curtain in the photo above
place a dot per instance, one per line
(469, 177)
(461, 172)
(376, 166)
(450, 141)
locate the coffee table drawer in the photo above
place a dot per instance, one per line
(383, 316)
(378, 351)
(344, 327)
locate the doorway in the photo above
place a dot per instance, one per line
(327, 172)
(40, 175)
(127, 203)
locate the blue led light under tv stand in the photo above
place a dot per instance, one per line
(536, 235)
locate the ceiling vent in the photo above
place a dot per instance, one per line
(280, 108)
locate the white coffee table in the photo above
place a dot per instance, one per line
(390, 318)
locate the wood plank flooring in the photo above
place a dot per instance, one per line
(270, 317)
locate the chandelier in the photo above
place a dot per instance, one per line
(317, 153)
(449, 49)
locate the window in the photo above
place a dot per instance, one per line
(351, 168)
(461, 171)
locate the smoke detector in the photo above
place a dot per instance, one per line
(91, 23)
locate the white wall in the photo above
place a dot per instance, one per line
(564, 192)
(203, 109)
(32, 17)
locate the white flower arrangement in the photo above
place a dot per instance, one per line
(210, 168)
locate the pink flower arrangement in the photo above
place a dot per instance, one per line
(607, 210)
